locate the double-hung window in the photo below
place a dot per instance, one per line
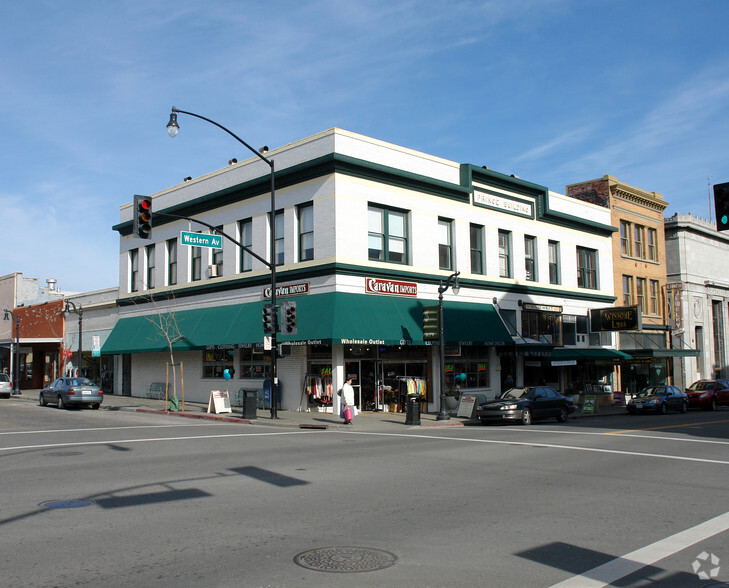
(134, 269)
(196, 264)
(149, 253)
(245, 236)
(653, 289)
(306, 232)
(445, 239)
(477, 249)
(218, 253)
(627, 290)
(554, 262)
(652, 245)
(586, 268)
(505, 254)
(638, 237)
(172, 262)
(640, 291)
(625, 238)
(530, 258)
(387, 235)
(279, 233)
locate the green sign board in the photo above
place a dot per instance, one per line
(201, 240)
(618, 318)
(589, 405)
(431, 323)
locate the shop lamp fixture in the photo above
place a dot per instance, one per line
(172, 129)
(9, 315)
(452, 283)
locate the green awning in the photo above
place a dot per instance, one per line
(642, 353)
(589, 354)
(334, 317)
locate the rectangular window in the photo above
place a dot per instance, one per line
(586, 268)
(216, 361)
(653, 244)
(530, 258)
(505, 254)
(717, 318)
(306, 232)
(133, 269)
(569, 329)
(699, 346)
(387, 235)
(477, 249)
(245, 237)
(640, 291)
(554, 262)
(638, 232)
(627, 290)
(253, 364)
(625, 248)
(196, 264)
(655, 309)
(218, 253)
(172, 262)
(279, 223)
(149, 253)
(445, 249)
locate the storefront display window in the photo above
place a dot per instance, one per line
(254, 363)
(541, 325)
(470, 360)
(216, 361)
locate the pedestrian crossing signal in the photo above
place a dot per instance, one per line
(721, 204)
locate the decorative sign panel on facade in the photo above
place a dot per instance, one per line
(619, 318)
(503, 203)
(288, 290)
(377, 286)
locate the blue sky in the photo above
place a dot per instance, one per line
(554, 91)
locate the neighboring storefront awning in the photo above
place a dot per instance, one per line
(334, 317)
(643, 353)
(589, 354)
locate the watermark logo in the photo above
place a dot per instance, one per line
(706, 566)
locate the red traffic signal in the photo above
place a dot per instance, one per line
(142, 220)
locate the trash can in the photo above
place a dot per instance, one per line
(412, 414)
(250, 404)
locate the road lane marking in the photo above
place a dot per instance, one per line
(40, 431)
(667, 427)
(631, 562)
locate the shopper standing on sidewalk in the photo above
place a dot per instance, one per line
(347, 401)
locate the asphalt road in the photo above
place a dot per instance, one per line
(101, 498)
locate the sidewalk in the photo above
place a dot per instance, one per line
(365, 421)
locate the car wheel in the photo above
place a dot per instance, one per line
(42, 400)
(95, 406)
(684, 407)
(526, 416)
(562, 418)
(713, 404)
(664, 408)
(61, 403)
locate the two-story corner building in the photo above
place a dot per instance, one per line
(639, 274)
(365, 233)
(698, 295)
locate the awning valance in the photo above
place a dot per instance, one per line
(592, 354)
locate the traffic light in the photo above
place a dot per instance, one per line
(289, 317)
(142, 220)
(270, 319)
(721, 203)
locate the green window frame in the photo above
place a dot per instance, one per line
(476, 249)
(387, 234)
(587, 268)
(306, 232)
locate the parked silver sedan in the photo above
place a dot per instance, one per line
(5, 386)
(66, 392)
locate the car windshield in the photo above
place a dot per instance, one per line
(517, 393)
(701, 386)
(80, 382)
(652, 391)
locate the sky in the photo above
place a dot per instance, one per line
(554, 91)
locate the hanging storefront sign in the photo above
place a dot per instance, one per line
(542, 307)
(394, 287)
(623, 318)
(431, 323)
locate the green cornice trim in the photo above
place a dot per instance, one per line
(333, 269)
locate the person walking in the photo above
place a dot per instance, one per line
(348, 401)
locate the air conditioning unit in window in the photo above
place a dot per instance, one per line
(214, 270)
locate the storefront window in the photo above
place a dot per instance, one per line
(542, 326)
(253, 364)
(216, 361)
(470, 360)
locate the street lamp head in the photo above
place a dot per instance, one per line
(456, 287)
(172, 127)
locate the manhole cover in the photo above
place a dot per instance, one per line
(63, 453)
(345, 559)
(80, 503)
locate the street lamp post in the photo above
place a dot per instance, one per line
(80, 312)
(16, 357)
(452, 283)
(172, 129)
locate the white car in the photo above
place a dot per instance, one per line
(5, 386)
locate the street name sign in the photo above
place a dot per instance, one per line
(201, 240)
